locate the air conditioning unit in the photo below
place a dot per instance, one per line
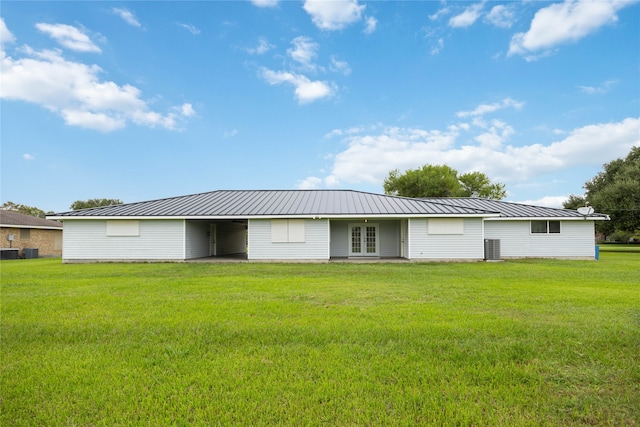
(30, 253)
(491, 249)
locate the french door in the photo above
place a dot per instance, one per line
(363, 240)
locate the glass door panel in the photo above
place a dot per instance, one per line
(363, 240)
(356, 240)
(371, 240)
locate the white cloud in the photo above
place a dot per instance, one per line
(547, 201)
(187, 110)
(265, 3)
(501, 16)
(468, 17)
(76, 92)
(230, 134)
(91, 120)
(351, 131)
(565, 22)
(263, 47)
(340, 66)
(435, 38)
(28, 156)
(306, 90)
(333, 15)
(368, 158)
(370, 24)
(5, 34)
(127, 15)
(309, 183)
(603, 88)
(439, 45)
(303, 51)
(440, 13)
(483, 109)
(69, 37)
(497, 133)
(191, 28)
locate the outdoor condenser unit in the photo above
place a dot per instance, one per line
(30, 253)
(491, 249)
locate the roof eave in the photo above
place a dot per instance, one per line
(552, 218)
(40, 227)
(271, 216)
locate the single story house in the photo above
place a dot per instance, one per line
(19, 232)
(321, 225)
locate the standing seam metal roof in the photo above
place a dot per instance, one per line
(249, 203)
(510, 209)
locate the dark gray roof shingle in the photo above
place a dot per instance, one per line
(9, 218)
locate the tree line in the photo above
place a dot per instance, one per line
(78, 204)
(615, 191)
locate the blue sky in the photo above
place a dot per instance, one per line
(145, 100)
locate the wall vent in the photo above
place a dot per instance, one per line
(491, 249)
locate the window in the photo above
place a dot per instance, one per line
(25, 233)
(446, 226)
(545, 227)
(123, 227)
(287, 231)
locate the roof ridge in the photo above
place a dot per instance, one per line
(459, 206)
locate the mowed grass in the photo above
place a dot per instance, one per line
(532, 342)
(617, 247)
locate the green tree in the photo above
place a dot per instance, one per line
(23, 209)
(94, 203)
(616, 191)
(479, 184)
(574, 202)
(441, 181)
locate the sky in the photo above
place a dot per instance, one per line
(143, 100)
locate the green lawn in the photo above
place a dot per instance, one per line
(498, 344)
(619, 247)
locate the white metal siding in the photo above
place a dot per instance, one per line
(388, 235)
(576, 240)
(197, 239)
(423, 245)
(158, 239)
(314, 247)
(389, 238)
(339, 239)
(405, 238)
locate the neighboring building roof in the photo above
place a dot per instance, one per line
(513, 210)
(250, 203)
(18, 220)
